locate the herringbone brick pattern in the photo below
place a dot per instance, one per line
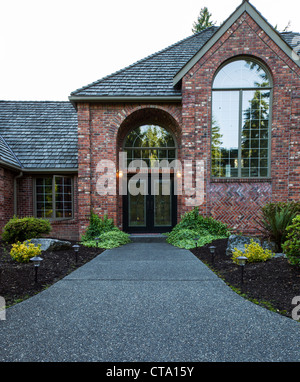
(238, 204)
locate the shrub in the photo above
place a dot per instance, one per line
(97, 227)
(254, 253)
(110, 236)
(108, 240)
(25, 228)
(276, 217)
(194, 221)
(291, 246)
(22, 252)
(193, 225)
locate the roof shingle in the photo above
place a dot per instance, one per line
(41, 134)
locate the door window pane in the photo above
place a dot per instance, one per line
(162, 203)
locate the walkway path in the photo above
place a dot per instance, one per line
(145, 302)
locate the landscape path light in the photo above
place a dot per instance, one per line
(36, 262)
(242, 260)
(76, 249)
(196, 238)
(212, 250)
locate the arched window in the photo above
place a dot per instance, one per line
(241, 99)
(150, 143)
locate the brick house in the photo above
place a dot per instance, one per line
(228, 97)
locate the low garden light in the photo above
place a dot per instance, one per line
(196, 238)
(97, 240)
(242, 260)
(212, 250)
(76, 249)
(36, 262)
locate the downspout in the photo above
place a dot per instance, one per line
(15, 192)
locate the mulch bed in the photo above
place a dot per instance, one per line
(17, 280)
(274, 281)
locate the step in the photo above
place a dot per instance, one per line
(147, 238)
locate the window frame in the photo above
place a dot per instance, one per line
(162, 148)
(240, 91)
(53, 176)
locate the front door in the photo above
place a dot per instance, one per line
(153, 208)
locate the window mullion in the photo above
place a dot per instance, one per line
(53, 198)
(240, 134)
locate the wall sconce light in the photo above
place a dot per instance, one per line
(178, 174)
(120, 173)
(36, 262)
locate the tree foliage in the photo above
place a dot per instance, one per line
(203, 21)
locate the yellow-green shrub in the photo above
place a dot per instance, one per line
(22, 252)
(254, 253)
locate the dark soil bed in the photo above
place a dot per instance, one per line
(17, 280)
(274, 281)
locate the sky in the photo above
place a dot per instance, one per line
(50, 48)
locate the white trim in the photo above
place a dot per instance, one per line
(265, 26)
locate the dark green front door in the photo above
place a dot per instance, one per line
(153, 209)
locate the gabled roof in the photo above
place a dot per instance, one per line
(284, 41)
(158, 76)
(150, 77)
(38, 135)
(7, 156)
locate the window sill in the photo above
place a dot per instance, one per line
(240, 180)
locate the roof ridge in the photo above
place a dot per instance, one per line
(142, 60)
(11, 151)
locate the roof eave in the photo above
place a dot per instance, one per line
(244, 7)
(75, 99)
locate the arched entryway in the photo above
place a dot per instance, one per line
(150, 146)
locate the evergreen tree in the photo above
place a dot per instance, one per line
(203, 21)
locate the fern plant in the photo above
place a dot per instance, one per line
(275, 219)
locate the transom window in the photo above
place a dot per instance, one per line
(241, 121)
(54, 197)
(150, 143)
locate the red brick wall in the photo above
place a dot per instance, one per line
(102, 128)
(61, 229)
(238, 202)
(6, 196)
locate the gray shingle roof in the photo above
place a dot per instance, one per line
(7, 155)
(40, 134)
(153, 76)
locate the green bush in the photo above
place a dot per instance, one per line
(25, 228)
(276, 217)
(291, 246)
(109, 235)
(194, 226)
(108, 240)
(193, 220)
(97, 227)
(254, 253)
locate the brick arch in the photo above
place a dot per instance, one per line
(145, 116)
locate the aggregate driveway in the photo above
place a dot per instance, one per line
(145, 302)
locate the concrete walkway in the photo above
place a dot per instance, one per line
(146, 302)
